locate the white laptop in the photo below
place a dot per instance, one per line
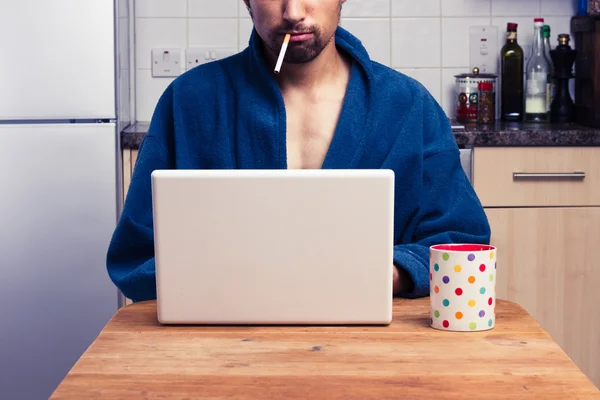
(274, 246)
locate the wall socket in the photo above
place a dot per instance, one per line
(483, 49)
(202, 55)
(166, 62)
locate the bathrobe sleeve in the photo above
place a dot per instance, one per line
(130, 257)
(448, 210)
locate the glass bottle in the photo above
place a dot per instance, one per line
(550, 87)
(537, 72)
(511, 94)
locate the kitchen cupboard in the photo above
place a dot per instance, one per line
(543, 205)
(129, 159)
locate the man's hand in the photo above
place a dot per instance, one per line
(401, 281)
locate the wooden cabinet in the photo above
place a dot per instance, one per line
(129, 159)
(543, 206)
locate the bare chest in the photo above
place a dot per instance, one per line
(310, 130)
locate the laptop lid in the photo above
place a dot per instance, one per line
(273, 246)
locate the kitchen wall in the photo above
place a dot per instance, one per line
(425, 39)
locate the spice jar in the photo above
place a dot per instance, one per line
(467, 94)
(593, 7)
(486, 107)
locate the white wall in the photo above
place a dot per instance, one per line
(426, 39)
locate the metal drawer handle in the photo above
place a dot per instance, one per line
(549, 175)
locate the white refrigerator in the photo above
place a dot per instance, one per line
(64, 98)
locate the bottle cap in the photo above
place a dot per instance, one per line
(546, 31)
(485, 86)
(538, 20)
(512, 27)
(563, 39)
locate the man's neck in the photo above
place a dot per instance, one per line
(328, 67)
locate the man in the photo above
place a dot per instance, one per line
(329, 107)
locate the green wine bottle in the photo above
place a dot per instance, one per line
(512, 69)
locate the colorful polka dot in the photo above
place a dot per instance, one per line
(471, 279)
(446, 302)
(446, 256)
(436, 267)
(436, 289)
(445, 324)
(458, 315)
(494, 288)
(436, 313)
(430, 321)
(491, 277)
(490, 301)
(482, 267)
(458, 291)
(471, 257)
(490, 322)
(446, 279)
(482, 290)
(491, 255)
(430, 276)
(482, 313)
(472, 303)
(495, 265)
(457, 268)
(472, 326)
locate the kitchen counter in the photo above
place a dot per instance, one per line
(468, 135)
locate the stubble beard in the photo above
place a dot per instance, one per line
(306, 51)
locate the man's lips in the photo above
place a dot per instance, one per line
(300, 36)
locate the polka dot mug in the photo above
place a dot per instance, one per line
(462, 287)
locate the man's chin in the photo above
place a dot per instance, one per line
(300, 55)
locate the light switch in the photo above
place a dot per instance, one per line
(483, 49)
(166, 62)
(198, 55)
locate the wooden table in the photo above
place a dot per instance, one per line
(135, 357)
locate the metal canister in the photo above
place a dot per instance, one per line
(467, 94)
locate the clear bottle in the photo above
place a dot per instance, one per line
(537, 71)
(550, 87)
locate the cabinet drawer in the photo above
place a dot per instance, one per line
(537, 176)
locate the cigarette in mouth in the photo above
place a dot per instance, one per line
(282, 53)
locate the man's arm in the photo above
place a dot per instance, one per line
(449, 211)
(130, 257)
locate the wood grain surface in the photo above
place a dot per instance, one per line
(136, 358)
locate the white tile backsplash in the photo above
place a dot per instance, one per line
(157, 33)
(366, 8)
(455, 40)
(148, 91)
(425, 39)
(559, 7)
(213, 9)
(416, 42)
(431, 78)
(213, 32)
(467, 8)
(160, 8)
(559, 25)
(245, 29)
(502, 8)
(421, 8)
(374, 33)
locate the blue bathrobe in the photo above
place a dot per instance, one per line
(230, 114)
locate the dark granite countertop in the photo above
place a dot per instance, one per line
(469, 135)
